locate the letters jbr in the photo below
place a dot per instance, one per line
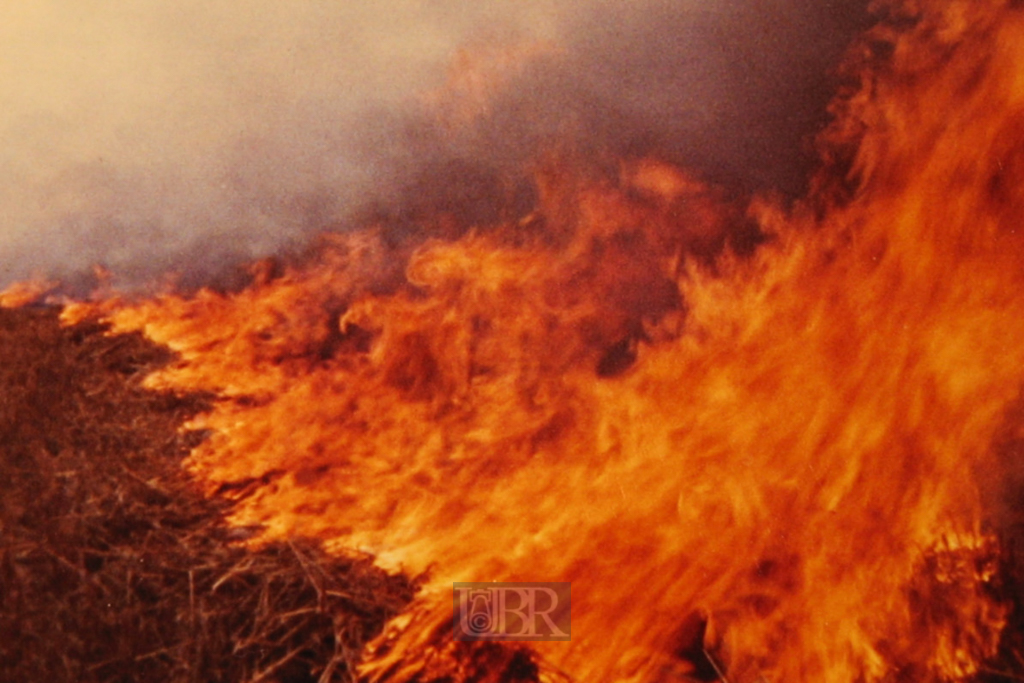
(511, 611)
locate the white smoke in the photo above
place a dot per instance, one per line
(156, 135)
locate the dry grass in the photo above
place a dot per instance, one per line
(114, 568)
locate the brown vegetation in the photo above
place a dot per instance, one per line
(113, 567)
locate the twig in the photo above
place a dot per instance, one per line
(262, 675)
(1001, 674)
(312, 579)
(714, 665)
(242, 566)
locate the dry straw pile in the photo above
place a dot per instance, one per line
(114, 568)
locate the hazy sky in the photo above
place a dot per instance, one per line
(155, 134)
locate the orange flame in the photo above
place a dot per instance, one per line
(785, 445)
(25, 293)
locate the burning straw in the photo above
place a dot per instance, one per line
(114, 568)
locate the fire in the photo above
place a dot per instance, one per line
(23, 293)
(780, 443)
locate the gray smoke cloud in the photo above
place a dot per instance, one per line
(159, 135)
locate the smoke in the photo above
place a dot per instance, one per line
(152, 136)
